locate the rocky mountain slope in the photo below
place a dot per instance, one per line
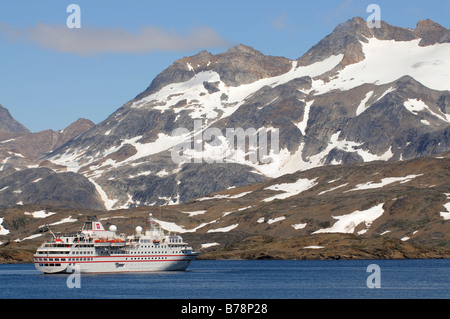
(23, 180)
(346, 154)
(32, 146)
(359, 95)
(8, 124)
(367, 210)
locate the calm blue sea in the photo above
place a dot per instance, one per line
(233, 279)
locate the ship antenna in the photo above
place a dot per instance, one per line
(48, 227)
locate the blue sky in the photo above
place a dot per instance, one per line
(51, 75)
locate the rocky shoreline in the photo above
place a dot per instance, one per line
(323, 247)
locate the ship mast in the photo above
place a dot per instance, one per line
(47, 227)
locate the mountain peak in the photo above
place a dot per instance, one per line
(347, 37)
(431, 32)
(427, 24)
(9, 124)
(80, 125)
(241, 64)
(243, 49)
(318, 115)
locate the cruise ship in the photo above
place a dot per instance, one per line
(96, 250)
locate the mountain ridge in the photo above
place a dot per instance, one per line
(232, 66)
(346, 37)
(329, 112)
(334, 105)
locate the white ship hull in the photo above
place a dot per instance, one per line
(95, 250)
(102, 265)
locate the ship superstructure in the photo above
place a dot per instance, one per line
(96, 250)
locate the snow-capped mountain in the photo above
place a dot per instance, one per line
(359, 95)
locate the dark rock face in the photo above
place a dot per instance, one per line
(45, 187)
(431, 33)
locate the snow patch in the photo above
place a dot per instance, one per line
(223, 229)
(384, 182)
(140, 174)
(362, 106)
(277, 219)
(109, 203)
(287, 163)
(427, 64)
(3, 230)
(348, 223)
(304, 122)
(299, 226)
(332, 189)
(40, 214)
(291, 189)
(207, 245)
(172, 227)
(27, 238)
(224, 196)
(446, 215)
(162, 173)
(416, 105)
(199, 212)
